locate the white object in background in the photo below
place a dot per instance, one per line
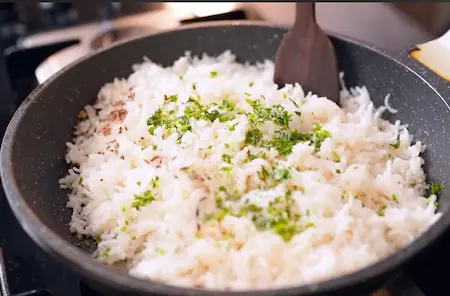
(435, 55)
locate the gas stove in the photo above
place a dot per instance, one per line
(71, 31)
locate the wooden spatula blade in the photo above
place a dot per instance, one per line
(306, 56)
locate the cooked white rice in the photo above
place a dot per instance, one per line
(210, 204)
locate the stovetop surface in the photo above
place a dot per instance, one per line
(28, 268)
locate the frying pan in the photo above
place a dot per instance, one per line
(33, 148)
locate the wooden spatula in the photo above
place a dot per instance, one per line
(306, 56)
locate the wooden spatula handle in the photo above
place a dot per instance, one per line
(305, 12)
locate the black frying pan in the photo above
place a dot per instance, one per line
(33, 149)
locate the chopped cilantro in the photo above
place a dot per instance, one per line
(213, 74)
(263, 174)
(336, 157)
(222, 213)
(155, 121)
(154, 182)
(253, 137)
(226, 145)
(277, 114)
(283, 143)
(143, 199)
(138, 183)
(233, 127)
(435, 188)
(80, 181)
(319, 136)
(338, 171)
(251, 156)
(397, 144)
(226, 158)
(250, 84)
(295, 104)
(226, 169)
(227, 105)
(172, 98)
(160, 251)
(226, 117)
(282, 174)
(106, 252)
(394, 198)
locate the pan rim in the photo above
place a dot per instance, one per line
(88, 267)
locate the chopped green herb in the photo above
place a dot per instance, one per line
(338, 171)
(106, 252)
(122, 208)
(247, 94)
(251, 156)
(138, 183)
(282, 174)
(397, 144)
(283, 143)
(222, 213)
(250, 84)
(213, 74)
(435, 188)
(154, 147)
(319, 136)
(154, 182)
(210, 146)
(233, 127)
(226, 169)
(298, 113)
(172, 98)
(194, 87)
(286, 230)
(263, 174)
(394, 198)
(226, 117)
(253, 137)
(160, 251)
(143, 199)
(155, 121)
(227, 105)
(80, 181)
(277, 114)
(336, 157)
(296, 106)
(226, 158)
(226, 145)
(181, 77)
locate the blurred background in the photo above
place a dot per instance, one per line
(39, 38)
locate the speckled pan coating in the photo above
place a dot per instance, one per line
(32, 156)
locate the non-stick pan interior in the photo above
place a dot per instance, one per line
(44, 127)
